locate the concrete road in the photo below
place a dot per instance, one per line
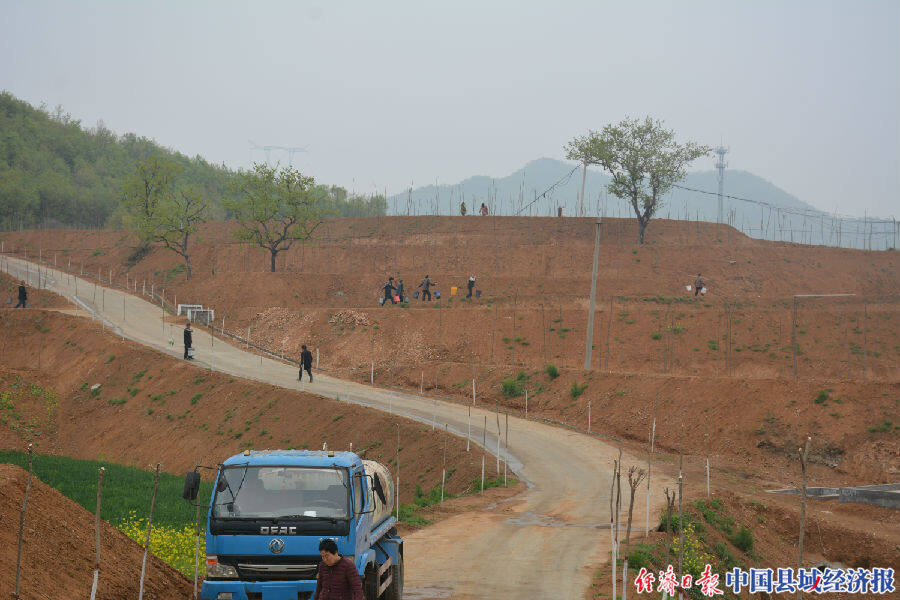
(545, 543)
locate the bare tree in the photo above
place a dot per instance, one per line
(635, 476)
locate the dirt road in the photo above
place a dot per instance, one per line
(544, 543)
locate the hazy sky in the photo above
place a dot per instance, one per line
(385, 94)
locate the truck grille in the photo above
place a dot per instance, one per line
(283, 568)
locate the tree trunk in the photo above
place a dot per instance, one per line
(642, 225)
(187, 264)
(274, 254)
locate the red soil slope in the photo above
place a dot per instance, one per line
(658, 350)
(154, 408)
(58, 549)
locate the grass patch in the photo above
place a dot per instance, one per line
(551, 371)
(512, 387)
(577, 390)
(743, 540)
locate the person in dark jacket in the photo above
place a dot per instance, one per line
(426, 287)
(698, 284)
(471, 286)
(400, 289)
(305, 363)
(337, 578)
(188, 340)
(23, 295)
(388, 289)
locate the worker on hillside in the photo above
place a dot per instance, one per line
(426, 287)
(188, 340)
(698, 284)
(337, 578)
(400, 290)
(388, 289)
(484, 210)
(305, 362)
(462, 208)
(23, 295)
(471, 286)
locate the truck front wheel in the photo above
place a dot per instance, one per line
(395, 590)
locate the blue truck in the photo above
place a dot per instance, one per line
(269, 511)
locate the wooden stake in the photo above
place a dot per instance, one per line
(803, 455)
(22, 522)
(97, 536)
(149, 527)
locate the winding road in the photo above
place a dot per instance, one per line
(543, 543)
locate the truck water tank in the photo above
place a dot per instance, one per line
(383, 475)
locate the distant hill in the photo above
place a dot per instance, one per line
(773, 214)
(55, 171)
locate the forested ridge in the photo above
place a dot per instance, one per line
(56, 172)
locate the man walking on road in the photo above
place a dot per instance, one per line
(471, 285)
(305, 363)
(188, 341)
(698, 284)
(23, 295)
(426, 287)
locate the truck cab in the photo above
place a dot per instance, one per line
(270, 509)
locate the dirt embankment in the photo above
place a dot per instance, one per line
(9, 294)
(58, 549)
(659, 351)
(773, 524)
(151, 408)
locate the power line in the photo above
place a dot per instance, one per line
(801, 213)
(565, 179)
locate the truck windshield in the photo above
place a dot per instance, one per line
(282, 492)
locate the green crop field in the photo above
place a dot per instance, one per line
(126, 502)
(125, 489)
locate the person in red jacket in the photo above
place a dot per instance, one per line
(337, 578)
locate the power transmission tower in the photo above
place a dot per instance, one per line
(268, 151)
(720, 165)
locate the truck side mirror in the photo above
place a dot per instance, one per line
(191, 486)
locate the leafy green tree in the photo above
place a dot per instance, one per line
(645, 162)
(585, 149)
(276, 208)
(177, 218)
(144, 190)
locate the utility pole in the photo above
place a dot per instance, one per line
(720, 166)
(589, 339)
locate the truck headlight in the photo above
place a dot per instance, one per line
(216, 570)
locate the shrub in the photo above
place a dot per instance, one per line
(656, 336)
(117, 401)
(725, 556)
(641, 557)
(821, 397)
(577, 390)
(551, 371)
(743, 540)
(512, 387)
